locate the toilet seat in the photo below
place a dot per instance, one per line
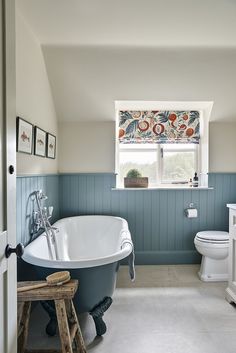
(210, 244)
(213, 237)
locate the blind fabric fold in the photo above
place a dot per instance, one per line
(159, 126)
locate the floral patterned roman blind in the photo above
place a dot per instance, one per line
(159, 126)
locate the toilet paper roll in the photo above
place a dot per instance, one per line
(191, 213)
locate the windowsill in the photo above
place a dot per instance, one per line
(164, 187)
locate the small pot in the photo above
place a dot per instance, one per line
(136, 182)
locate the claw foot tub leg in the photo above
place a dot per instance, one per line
(51, 327)
(97, 314)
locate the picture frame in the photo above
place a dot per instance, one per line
(24, 136)
(40, 139)
(51, 146)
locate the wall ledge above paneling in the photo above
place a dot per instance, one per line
(36, 175)
(165, 188)
(88, 173)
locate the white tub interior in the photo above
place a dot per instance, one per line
(83, 241)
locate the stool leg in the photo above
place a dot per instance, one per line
(24, 322)
(63, 326)
(20, 307)
(79, 341)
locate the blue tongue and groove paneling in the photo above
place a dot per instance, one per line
(25, 203)
(159, 228)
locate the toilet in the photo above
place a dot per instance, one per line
(214, 247)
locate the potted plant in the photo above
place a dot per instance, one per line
(134, 179)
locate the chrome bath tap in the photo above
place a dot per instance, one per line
(41, 221)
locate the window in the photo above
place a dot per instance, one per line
(167, 146)
(162, 164)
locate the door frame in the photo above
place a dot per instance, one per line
(9, 87)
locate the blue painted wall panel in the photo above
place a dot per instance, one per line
(25, 203)
(159, 228)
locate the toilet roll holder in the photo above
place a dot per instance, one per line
(191, 206)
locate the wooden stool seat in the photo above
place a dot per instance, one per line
(69, 328)
(66, 291)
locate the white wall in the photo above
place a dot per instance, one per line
(90, 147)
(222, 147)
(86, 81)
(34, 100)
(87, 147)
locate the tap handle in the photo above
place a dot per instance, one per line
(41, 195)
(36, 222)
(36, 217)
(50, 211)
(45, 211)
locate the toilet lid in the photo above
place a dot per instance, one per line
(213, 235)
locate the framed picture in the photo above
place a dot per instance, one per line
(39, 142)
(24, 136)
(51, 146)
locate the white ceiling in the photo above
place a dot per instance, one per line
(132, 22)
(100, 51)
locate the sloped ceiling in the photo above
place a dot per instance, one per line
(100, 51)
(133, 22)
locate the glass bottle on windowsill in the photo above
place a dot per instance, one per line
(195, 181)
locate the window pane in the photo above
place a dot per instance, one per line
(178, 166)
(145, 162)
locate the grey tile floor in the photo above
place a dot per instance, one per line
(167, 310)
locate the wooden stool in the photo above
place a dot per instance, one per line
(68, 324)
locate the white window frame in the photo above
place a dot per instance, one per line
(203, 148)
(159, 165)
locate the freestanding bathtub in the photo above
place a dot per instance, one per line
(90, 247)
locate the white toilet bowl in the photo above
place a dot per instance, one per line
(214, 248)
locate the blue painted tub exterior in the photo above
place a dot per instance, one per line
(95, 283)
